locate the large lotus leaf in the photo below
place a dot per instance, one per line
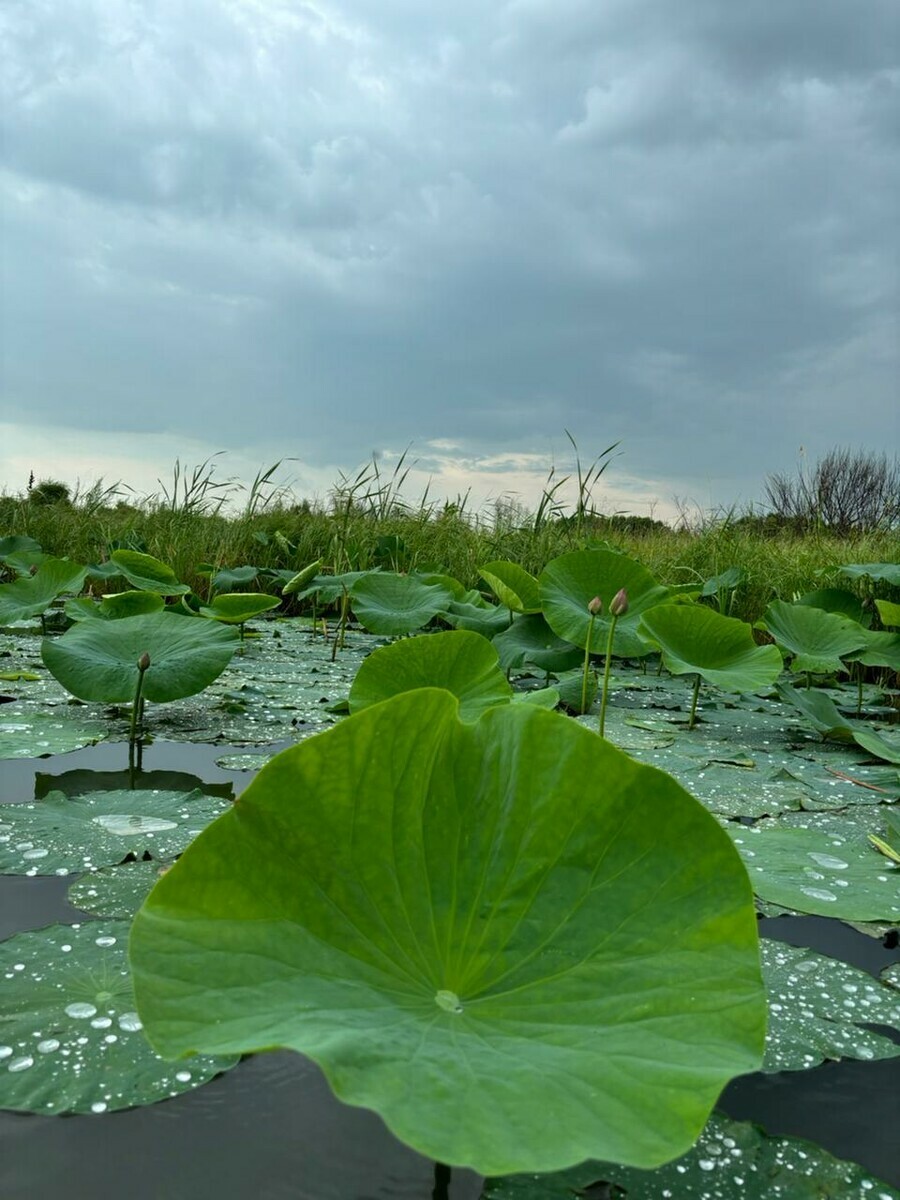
(98, 660)
(882, 649)
(61, 834)
(732, 1160)
(513, 586)
(147, 573)
(71, 1038)
(822, 873)
(15, 543)
(840, 601)
(391, 604)
(452, 585)
(878, 745)
(130, 604)
(697, 640)
(531, 640)
(570, 582)
(741, 792)
(889, 613)
(816, 640)
(468, 927)
(31, 595)
(234, 608)
(26, 733)
(486, 619)
(117, 891)
(881, 572)
(463, 663)
(231, 577)
(816, 1008)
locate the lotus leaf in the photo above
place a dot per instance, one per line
(147, 573)
(468, 927)
(840, 601)
(71, 1039)
(395, 604)
(513, 586)
(298, 582)
(570, 582)
(98, 660)
(889, 613)
(881, 649)
(816, 1008)
(33, 594)
(117, 891)
(15, 543)
(231, 577)
(329, 588)
(697, 640)
(880, 572)
(234, 608)
(817, 640)
(820, 710)
(486, 619)
(531, 640)
(25, 733)
(733, 1160)
(820, 872)
(878, 745)
(463, 663)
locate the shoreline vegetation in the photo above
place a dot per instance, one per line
(200, 520)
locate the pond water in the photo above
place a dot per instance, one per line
(271, 1128)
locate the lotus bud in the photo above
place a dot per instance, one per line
(144, 661)
(595, 606)
(618, 606)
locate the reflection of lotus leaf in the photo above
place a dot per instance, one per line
(468, 927)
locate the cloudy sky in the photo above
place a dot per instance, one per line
(326, 230)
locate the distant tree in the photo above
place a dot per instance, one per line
(50, 491)
(846, 491)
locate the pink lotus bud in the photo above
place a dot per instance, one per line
(595, 606)
(618, 606)
(144, 661)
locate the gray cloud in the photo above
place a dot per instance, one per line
(289, 223)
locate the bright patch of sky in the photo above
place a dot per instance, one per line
(326, 231)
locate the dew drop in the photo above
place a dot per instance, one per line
(99, 1106)
(130, 1022)
(104, 941)
(21, 1064)
(47, 1046)
(80, 1011)
(818, 893)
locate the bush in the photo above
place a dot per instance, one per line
(847, 491)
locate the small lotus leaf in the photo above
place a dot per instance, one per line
(464, 663)
(26, 733)
(147, 573)
(889, 613)
(229, 578)
(698, 640)
(570, 582)
(234, 608)
(71, 1038)
(117, 891)
(513, 586)
(33, 594)
(391, 604)
(97, 660)
(817, 640)
(468, 926)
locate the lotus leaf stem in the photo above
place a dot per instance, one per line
(605, 696)
(441, 1182)
(587, 664)
(694, 702)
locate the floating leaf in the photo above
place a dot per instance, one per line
(117, 891)
(468, 926)
(26, 733)
(463, 663)
(60, 834)
(570, 582)
(816, 1008)
(147, 573)
(817, 640)
(732, 1160)
(513, 586)
(697, 640)
(98, 660)
(71, 1040)
(817, 872)
(391, 605)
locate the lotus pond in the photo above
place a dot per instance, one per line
(446, 922)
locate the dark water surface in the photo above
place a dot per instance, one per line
(271, 1129)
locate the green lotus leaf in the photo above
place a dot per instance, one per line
(97, 660)
(880, 572)
(328, 588)
(234, 608)
(391, 604)
(33, 594)
(513, 586)
(486, 619)
(130, 604)
(71, 1040)
(228, 578)
(15, 543)
(22, 562)
(117, 891)
(817, 640)
(147, 573)
(298, 582)
(61, 834)
(732, 1160)
(839, 601)
(880, 650)
(570, 582)
(816, 1008)
(463, 663)
(25, 733)
(820, 710)
(889, 613)
(820, 872)
(699, 641)
(726, 581)
(452, 585)
(531, 640)
(468, 927)
(104, 571)
(878, 745)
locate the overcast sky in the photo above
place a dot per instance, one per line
(323, 230)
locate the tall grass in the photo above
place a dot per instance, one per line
(366, 521)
